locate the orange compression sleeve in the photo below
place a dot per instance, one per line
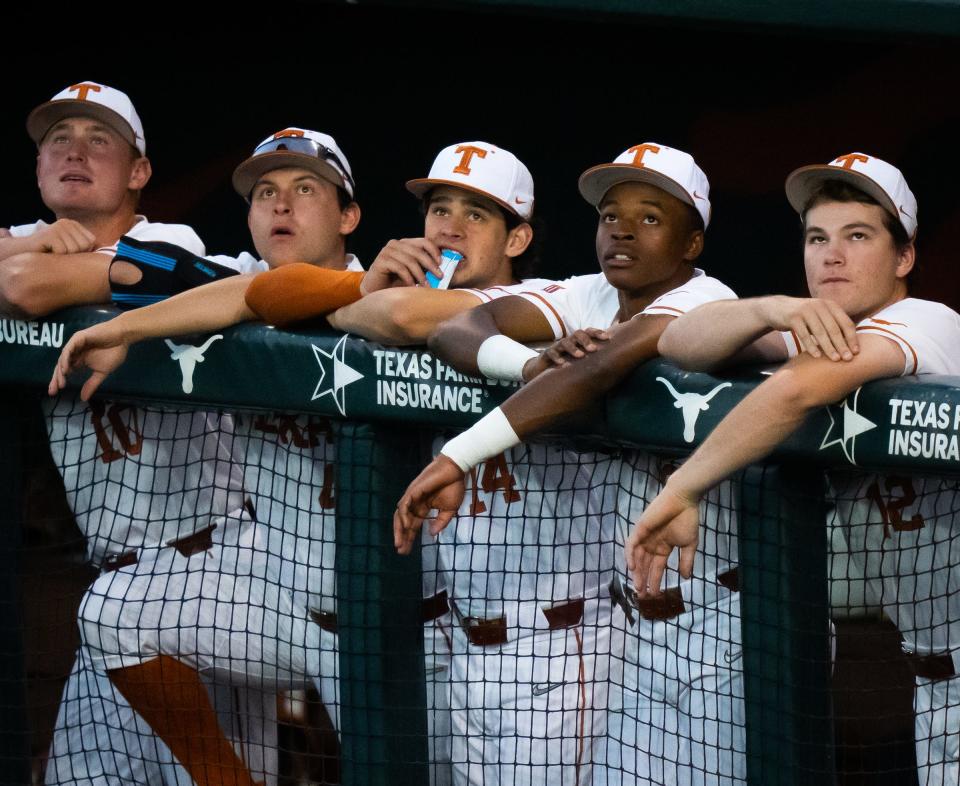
(300, 291)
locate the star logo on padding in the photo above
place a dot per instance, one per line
(845, 426)
(342, 375)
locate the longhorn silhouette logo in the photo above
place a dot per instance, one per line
(691, 405)
(188, 356)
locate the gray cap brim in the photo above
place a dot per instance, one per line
(420, 186)
(47, 115)
(246, 175)
(803, 182)
(598, 180)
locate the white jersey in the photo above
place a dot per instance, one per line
(495, 293)
(141, 477)
(137, 476)
(528, 533)
(904, 530)
(178, 234)
(435, 570)
(643, 476)
(288, 465)
(924, 339)
(289, 468)
(565, 541)
(243, 263)
(590, 301)
(530, 529)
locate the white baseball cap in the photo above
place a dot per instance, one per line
(484, 169)
(89, 99)
(295, 147)
(875, 177)
(664, 167)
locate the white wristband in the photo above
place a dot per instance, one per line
(489, 436)
(500, 357)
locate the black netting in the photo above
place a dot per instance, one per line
(895, 547)
(232, 577)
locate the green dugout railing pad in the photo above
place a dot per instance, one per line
(254, 365)
(910, 424)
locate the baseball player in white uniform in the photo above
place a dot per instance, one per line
(250, 610)
(901, 533)
(679, 715)
(477, 199)
(653, 204)
(859, 220)
(119, 463)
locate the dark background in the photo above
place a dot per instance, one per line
(564, 91)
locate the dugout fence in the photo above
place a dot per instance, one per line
(821, 703)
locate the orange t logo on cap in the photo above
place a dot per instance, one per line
(469, 151)
(850, 159)
(640, 150)
(83, 88)
(288, 132)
